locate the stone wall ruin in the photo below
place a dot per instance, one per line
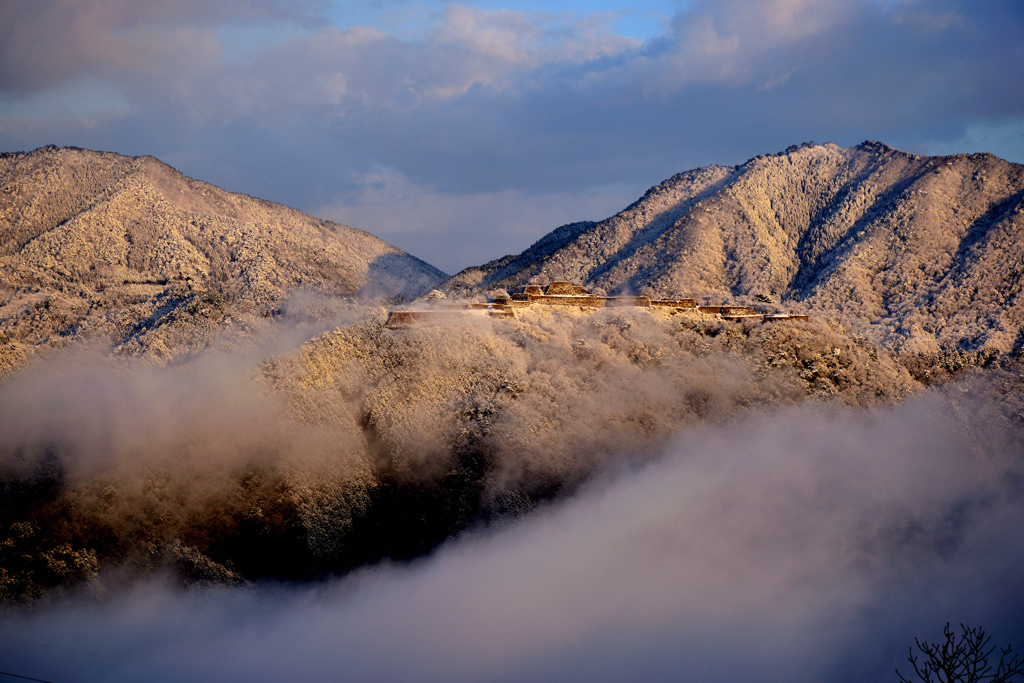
(560, 293)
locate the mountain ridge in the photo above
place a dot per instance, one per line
(101, 245)
(895, 245)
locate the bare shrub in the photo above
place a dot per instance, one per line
(963, 659)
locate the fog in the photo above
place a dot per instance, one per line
(802, 544)
(369, 443)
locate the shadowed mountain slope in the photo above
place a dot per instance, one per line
(922, 253)
(128, 249)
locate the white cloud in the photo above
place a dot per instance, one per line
(47, 43)
(809, 545)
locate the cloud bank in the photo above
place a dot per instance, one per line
(541, 111)
(811, 544)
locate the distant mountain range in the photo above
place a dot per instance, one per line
(919, 253)
(127, 249)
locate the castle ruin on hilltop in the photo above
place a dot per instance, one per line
(435, 309)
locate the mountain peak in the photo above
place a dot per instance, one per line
(914, 251)
(84, 234)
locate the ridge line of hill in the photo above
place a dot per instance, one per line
(915, 252)
(97, 245)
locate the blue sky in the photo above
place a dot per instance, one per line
(640, 20)
(462, 132)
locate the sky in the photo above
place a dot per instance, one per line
(464, 132)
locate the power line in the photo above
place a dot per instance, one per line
(81, 652)
(24, 678)
(65, 649)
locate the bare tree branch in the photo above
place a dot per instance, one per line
(963, 659)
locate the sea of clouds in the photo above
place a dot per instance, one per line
(807, 544)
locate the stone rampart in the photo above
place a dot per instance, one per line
(567, 294)
(674, 303)
(727, 310)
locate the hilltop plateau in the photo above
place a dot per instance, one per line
(921, 254)
(131, 252)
